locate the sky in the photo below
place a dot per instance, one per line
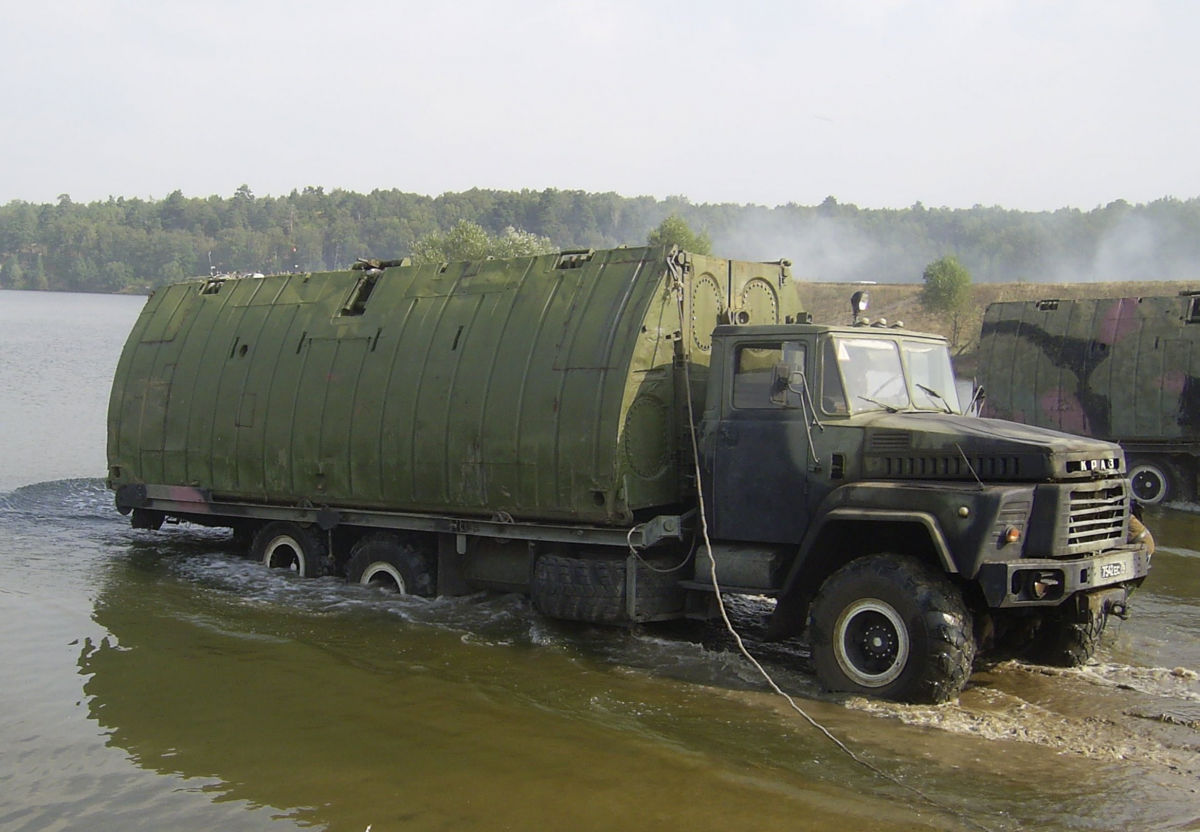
(1029, 105)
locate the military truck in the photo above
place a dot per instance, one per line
(1122, 369)
(622, 435)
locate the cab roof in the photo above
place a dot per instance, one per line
(777, 330)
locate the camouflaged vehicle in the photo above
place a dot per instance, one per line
(1122, 369)
(548, 425)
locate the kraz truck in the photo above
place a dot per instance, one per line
(623, 435)
(1122, 369)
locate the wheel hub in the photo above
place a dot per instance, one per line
(871, 642)
(1149, 483)
(879, 641)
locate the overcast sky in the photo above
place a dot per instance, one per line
(1030, 105)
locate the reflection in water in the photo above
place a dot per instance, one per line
(342, 707)
(341, 716)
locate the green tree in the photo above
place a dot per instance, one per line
(69, 245)
(513, 242)
(464, 241)
(12, 275)
(40, 281)
(467, 240)
(947, 291)
(675, 231)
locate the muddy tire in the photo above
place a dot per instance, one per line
(284, 545)
(593, 590)
(385, 560)
(1064, 641)
(890, 627)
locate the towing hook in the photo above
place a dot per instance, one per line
(1118, 609)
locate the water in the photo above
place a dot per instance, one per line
(157, 680)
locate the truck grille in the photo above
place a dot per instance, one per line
(1097, 517)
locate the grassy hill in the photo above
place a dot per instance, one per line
(830, 303)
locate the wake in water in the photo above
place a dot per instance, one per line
(1068, 711)
(75, 499)
(1107, 710)
(1095, 712)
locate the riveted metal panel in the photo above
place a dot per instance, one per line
(536, 388)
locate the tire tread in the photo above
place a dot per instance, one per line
(419, 577)
(593, 590)
(948, 639)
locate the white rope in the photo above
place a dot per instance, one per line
(716, 588)
(687, 555)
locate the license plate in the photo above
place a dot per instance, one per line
(1112, 570)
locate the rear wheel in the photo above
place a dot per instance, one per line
(889, 626)
(1152, 480)
(241, 538)
(385, 560)
(285, 545)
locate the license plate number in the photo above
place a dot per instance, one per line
(1111, 570)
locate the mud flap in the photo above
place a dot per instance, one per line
(144, 518)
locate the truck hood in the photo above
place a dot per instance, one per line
(929, 445)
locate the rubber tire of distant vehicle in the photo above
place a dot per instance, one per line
(241, 538)
(386, 560)
(592, 589)
(1063, 641)
(281, 544)
(1152, 481)
(891, 627)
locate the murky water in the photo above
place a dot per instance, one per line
(157, 680)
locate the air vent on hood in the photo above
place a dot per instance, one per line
(890, 440)
(952, 467)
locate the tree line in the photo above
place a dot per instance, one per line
(134, 244)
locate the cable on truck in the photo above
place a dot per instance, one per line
(676, 273)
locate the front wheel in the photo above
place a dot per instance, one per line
(889, 626)
(1065, 640)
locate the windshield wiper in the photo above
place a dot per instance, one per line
(935, 395)
(889, 408)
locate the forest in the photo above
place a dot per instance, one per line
(133, 244)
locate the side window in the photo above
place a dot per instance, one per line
(754, 372)
(833, 394)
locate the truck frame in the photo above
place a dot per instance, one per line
(623, 435)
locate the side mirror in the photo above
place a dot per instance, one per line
(784, 379)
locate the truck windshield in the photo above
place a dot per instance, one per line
(931, 376)
(873, 371)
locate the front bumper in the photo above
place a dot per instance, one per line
(1046, 582)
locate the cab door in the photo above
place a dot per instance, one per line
(760, 448)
